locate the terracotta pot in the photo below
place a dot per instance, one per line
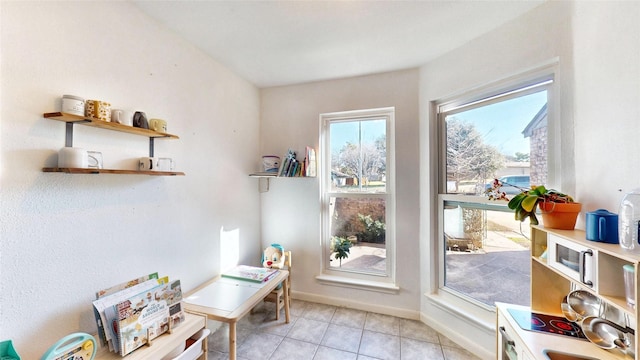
(561, 216)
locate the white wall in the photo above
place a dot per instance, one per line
(598, 51)
(291, 211)
(65, 236)
(607, 102)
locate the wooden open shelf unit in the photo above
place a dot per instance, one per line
(71, 120)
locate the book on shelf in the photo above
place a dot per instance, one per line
(146, 315)
(288, 164)
(124, 285)
(250, 273)
(310, 160)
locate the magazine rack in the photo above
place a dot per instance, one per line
(165, 343)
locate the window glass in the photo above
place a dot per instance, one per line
(485, 250)
(362, 223)
(358, 156)
(357, 194)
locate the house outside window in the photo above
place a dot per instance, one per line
(357, 194)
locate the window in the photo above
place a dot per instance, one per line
(483, 250)
(357, 194)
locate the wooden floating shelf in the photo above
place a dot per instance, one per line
(111, 171)
(89, 121)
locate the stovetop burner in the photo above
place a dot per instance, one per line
(546, 323)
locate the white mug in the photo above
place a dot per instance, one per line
(123, 117)
(155, 164)
(71, 157)
(94, 159)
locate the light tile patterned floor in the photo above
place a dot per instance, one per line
(324, 332)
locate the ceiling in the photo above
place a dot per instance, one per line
(272, 43)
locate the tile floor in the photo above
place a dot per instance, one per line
(324, 332)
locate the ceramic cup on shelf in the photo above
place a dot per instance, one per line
(140, 120)
(123, 117)
(270, 163)
(155, 164)
(629, 284)
(72, 157)
(94, 160)
(72, 104)
(98, 109)
(158, 125)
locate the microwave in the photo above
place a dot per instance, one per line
(576, 261)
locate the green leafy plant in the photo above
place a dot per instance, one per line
(374, 230)
(341, 247)
(526, 202)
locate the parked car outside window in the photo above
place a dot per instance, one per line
(513, 184)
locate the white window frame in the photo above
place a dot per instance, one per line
(455, 302)
(379, 282)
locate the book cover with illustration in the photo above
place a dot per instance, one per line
(250, 273)
(146, 316)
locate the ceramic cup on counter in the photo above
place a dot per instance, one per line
(98, 109)
(124, 117)
(158, 125)
(155, 164)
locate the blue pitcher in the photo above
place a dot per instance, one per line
(602, 226)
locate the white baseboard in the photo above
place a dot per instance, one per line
(464, 339)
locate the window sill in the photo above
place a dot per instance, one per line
(378, 286)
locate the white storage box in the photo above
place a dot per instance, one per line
(195, 350)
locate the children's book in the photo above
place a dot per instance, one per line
(310, 168)
(250, 273)
(146, 315)
(125, 285)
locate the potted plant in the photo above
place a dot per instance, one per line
(559, 210)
